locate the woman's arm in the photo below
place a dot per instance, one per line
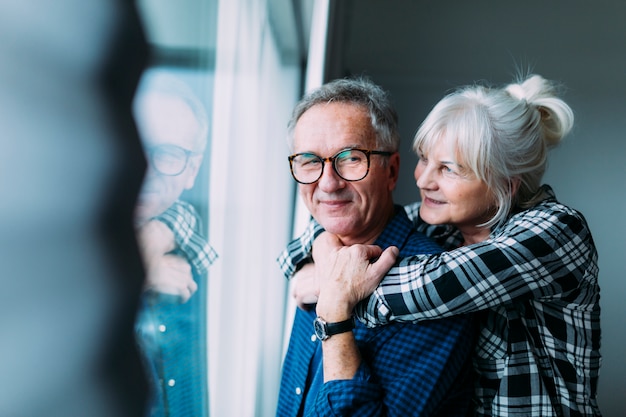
(542, 253)
(184, 222)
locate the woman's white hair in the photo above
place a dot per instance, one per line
(502, 136)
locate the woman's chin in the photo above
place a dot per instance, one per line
(431, 216)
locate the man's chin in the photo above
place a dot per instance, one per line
(337, 227)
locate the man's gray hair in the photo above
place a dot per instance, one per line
(361, 92)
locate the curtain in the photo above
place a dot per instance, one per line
(251, 205)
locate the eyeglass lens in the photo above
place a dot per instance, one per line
(169, 160)
(350, 164)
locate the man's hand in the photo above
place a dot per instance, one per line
(346, 274)
(171, 274)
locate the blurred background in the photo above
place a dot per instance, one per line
(72, 165)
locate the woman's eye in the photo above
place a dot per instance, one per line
(447, 170)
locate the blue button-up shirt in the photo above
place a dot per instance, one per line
(407, 369)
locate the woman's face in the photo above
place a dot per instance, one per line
(451, 194)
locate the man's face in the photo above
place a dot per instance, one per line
(355, 211)
(165, 121)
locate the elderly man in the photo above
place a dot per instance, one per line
(345, 141)
(173, 127)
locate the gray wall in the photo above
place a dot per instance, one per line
(419, 50)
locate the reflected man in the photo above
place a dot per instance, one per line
(173, 126)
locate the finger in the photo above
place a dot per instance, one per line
(324, 244)
(306, 303)
(304, 294)
(180, 263)
(193, 287)
(184, 296)
(329, 240)
(371, 252)
(188, 292)
(383, 264)
(307, 306)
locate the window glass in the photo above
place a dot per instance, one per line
(172, 109)
(235, 189)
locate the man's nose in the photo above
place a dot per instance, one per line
(330, 180)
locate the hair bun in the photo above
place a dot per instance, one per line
(516, 91)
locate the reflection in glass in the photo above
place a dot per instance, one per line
(168, 159)
(171, 330)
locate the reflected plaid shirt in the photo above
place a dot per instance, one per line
(183, 220)
(534, 284)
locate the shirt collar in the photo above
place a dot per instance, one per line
(397, 231)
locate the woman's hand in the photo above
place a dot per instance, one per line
(165, 273)
(170, 274)
(305, 288)
(346, 274)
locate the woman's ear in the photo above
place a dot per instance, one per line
(514, 186)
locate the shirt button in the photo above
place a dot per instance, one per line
(313, 338)
(171, 382)
(162, 328)
(298, 390)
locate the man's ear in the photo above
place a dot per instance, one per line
(192, 170)
(394, 170)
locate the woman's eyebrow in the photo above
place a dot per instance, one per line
(446, 162)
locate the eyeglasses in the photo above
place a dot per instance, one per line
(169, 160)
(350, 164)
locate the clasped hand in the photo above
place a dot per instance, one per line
(340, 276)
(166, 273)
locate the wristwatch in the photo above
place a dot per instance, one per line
(325, 330)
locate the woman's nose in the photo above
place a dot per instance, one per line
(423, 175)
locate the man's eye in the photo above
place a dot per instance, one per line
(308, 161)
(350, 158)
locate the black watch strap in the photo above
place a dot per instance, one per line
(324, 330)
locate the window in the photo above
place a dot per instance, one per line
(243, 61)
(172, 110)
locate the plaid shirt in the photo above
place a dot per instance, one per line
(408, 369)
(534, 284)
(184, 222)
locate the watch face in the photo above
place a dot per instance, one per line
(320, 329)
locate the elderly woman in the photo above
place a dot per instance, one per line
(523, 262)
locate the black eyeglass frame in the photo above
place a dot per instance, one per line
(150, 154)
(332, 159)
